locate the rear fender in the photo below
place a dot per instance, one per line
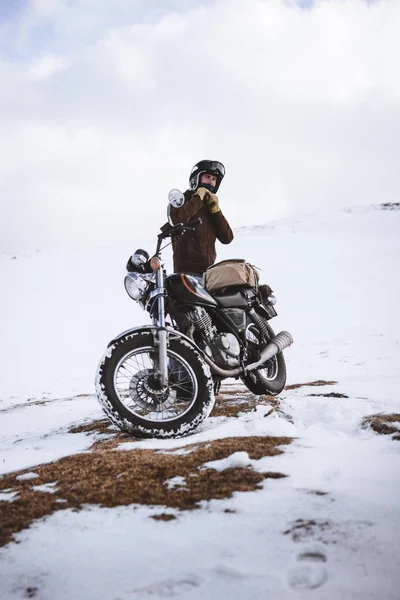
(267, 311)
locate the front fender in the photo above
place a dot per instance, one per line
(144, 328)
(153, 328)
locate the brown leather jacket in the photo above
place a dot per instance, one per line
(195, 251)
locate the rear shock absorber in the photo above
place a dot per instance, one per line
(261, 324)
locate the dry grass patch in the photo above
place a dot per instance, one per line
(113, 478)
(102, 426)
(381, 424)
(164, 517)
(228, 404)
(318, 383)
(390, 205)
(20, 406)
(31, 402)
(112, 435)
(331, 395)
(232, 391)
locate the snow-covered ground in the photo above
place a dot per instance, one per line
(330, 529)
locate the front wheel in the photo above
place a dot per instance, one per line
(270, 379)
(135, 401)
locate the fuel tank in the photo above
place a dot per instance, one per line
(188, 290)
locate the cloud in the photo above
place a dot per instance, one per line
(47, 67)
(105, 107)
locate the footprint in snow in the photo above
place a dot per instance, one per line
(309, 571)
(169, 588)
(172, 588)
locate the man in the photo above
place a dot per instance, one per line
(195, 251)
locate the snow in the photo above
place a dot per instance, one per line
(27, 476)
(216, 428)
(34, 432)
(176, 482)
(236, 460)
(8, 496)
(329, 529)
(48, 488)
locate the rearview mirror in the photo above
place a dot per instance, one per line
(176, 198)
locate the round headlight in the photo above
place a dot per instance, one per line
(135, 285)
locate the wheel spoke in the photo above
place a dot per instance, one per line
(139, 392)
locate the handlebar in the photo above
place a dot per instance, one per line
(191, 225)
(168, 230)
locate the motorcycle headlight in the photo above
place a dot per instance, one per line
(135, 286)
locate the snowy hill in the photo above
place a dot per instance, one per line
(334, 276)
(332, 523)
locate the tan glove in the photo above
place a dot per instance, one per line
(212, 202)
(210, 199)
(201, 193)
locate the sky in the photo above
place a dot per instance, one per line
(104, 107)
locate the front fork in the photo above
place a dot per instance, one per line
(160, 333)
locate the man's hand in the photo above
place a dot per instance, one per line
(201, 192)
(212, 202)
(208, 198)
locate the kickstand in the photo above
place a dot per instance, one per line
(217, 387)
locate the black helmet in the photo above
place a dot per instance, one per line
(207, 166)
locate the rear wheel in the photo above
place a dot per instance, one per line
(135, 401)
(270, 379)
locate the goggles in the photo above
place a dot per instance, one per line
(210, 166)
(216, 167)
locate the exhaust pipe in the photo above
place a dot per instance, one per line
(277, 344)
(221, 372)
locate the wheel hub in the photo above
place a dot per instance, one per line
(146, 390)
(270, 367)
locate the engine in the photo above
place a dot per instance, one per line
(222, 348)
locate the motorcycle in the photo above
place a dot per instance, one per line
(159, 380)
